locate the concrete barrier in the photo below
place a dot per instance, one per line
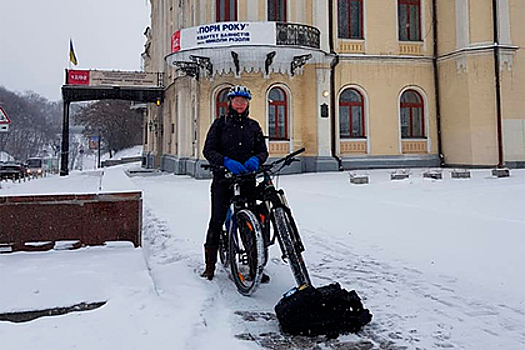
(31, 221)
(124, 160)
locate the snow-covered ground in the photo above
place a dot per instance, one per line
(439, 263)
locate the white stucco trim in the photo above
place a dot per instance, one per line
(300, 11)
(462, 24)
(252, 11)
(504, 22)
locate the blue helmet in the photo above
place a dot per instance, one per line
(239, 90)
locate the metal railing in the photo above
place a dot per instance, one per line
(297, 35)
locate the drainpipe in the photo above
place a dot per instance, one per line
(436, 84)
(333, 65)
(497, 80)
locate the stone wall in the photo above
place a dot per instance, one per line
(31, 222)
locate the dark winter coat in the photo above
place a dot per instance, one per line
(235, 137)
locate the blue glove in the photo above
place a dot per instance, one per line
(234, 166)
(252, 164)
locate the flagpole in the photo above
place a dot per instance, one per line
(69, 56)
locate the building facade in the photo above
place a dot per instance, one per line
(358, 83)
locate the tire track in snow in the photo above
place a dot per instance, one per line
(412, 310)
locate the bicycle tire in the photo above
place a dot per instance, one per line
(284, 227)
(246, 252)
(297, 243)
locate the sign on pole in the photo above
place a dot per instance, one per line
(4, 121)
(94, 142)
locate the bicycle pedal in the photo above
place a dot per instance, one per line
(243, 259)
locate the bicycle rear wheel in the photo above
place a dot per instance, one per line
(246, 252)
(285, 227)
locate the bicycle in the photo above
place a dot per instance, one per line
(250, 222)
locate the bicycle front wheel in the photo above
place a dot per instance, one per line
(246, 252)
(284, 227)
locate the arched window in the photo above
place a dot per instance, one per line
(350, 19)
(221, 103)
(226, 10)
(277, 10)
(351, 114)
(412, 117)
(409, 20)
(277, 114)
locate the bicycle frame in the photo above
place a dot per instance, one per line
(274, 199)
(279, 216)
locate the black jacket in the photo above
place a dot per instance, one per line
(235, 137)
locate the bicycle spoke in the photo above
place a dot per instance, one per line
(246, 249)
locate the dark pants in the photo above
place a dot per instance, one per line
(221, 194)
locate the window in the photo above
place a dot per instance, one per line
(351, 114)
(221, 103)
(350, 19)
(412, 118)
(226, 10)
(277, 10)
(409, 20)
(277, 114)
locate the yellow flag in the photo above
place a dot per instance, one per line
(72, 56)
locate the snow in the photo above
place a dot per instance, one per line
(5, 157)
(439, 263)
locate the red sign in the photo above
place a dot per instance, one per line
(4, 118)
(78, 77)
(175, 41)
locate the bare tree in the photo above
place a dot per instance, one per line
(118, 125)
(35, 122)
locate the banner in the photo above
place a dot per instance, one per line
(224, 34)
(77, 77)
(111, 78)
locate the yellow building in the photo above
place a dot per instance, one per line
(358, 83)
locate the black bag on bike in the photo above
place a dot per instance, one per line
(328, 310)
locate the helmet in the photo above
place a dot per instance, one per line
(239, 90)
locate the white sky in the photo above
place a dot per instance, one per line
(34, 40)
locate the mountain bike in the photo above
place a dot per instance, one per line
(254, 222)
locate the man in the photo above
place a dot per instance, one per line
(236, 142)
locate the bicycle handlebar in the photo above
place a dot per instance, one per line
(286, 159)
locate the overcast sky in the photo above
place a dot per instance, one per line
(34, 40)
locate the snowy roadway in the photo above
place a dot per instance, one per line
(439, 263)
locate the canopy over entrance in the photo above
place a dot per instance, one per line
(88, 85)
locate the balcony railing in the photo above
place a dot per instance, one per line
(297, 35)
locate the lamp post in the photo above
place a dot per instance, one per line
(98, 150)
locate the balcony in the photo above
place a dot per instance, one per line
(297, 35)
(238, 47)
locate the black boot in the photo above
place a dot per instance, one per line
(210, 257)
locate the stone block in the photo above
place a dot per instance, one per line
(400, 175)
(433, 174)
(359, 179)
(460, 174)
(501, 172)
